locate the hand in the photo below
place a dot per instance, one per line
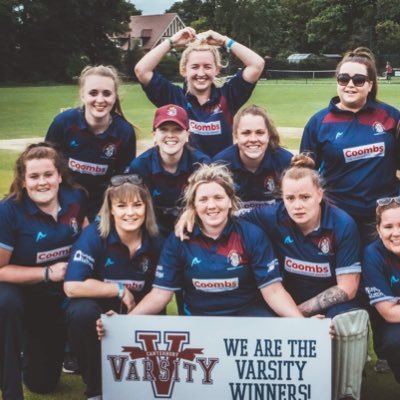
(213, 38)
(184, 224)
(183, 37)
(99, 325)
(57, 271)
(128, 300)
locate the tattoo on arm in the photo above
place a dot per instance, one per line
(329, 297)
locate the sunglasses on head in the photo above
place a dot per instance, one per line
(358, 79)
(119, 180)
(385, 201)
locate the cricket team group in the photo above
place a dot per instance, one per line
(217, 213)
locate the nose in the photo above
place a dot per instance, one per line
(42, 180)
(297, 204)
(130, 210)
(211, 203)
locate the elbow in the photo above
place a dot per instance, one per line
(140, 72)
(70, 289)
(259, 65)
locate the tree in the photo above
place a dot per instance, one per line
(57, 38)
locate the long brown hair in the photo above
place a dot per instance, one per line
(38, 151)
(274, 139)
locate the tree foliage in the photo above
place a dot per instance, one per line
(53, 40)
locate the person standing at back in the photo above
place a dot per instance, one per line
(96, 139)
(210, 109)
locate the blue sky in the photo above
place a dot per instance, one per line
(152, 6)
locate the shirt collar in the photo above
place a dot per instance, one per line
(224, 234)
(333, 106)
(83, 125)
(113, 238)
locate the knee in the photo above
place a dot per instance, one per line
(83, 312)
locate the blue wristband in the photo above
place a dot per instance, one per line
(229, 45)
(120, 290)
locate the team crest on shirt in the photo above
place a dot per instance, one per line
(269, 184)
(378, 128)
(234, 258)
(109, 150)
(325, 245)
(144, 265)
(73, 223)
(171, 112)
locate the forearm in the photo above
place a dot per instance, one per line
(328, 298)
(389, 311)
(145, 67)
(153, 303)
(253, 62)
(22, 275)
(280, 301)
(91, 288)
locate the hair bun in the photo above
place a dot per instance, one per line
(302, 160)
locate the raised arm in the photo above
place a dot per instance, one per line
(345, 290)
(146, 65)
(254, 64)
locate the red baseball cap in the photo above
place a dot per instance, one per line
(171, 113)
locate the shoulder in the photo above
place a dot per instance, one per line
(374, 251)
(227, 154)
(198, 156)
(8, 205)
(341, 219)
(144, 160)
(282, 154)
(124, 127)
(389, 109)
(71, 114)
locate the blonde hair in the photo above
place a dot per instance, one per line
(199, 46)
(274, 139)
(214, 172)
(126, 192)
(364, 56)
(302, 166)
(107, 71)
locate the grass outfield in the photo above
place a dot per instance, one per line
(28, 111)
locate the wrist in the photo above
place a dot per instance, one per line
(121, 290)
(229, 43)
(171, 43)
(46, 274)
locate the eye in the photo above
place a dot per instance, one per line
(305, 196)
(93, 92)
(289, 198)
(49, 174)
(138, 204)
(107, 93)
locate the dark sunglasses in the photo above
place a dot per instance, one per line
(358, 79)
(385, 201)
(119, 180)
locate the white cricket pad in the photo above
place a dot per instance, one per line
(349, 353)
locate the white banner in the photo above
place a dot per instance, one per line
(197, 358)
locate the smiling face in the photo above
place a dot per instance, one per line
(252, 138)
(170, 139)
(200, 71)
(129, 215)
(98, 95)
(353, 98)
(42, 181)
(302, 201)
(212, 206)
(389, 229)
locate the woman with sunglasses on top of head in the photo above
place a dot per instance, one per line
(111, 266)
(354, 142)
(96, 138)
(210, 108)
(223, 252)
(381, 276)
(41, 218)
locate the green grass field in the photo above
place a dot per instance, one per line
(28, 111)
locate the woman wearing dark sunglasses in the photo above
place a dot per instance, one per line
(111, 267)
(381, 273)
(354, 142)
